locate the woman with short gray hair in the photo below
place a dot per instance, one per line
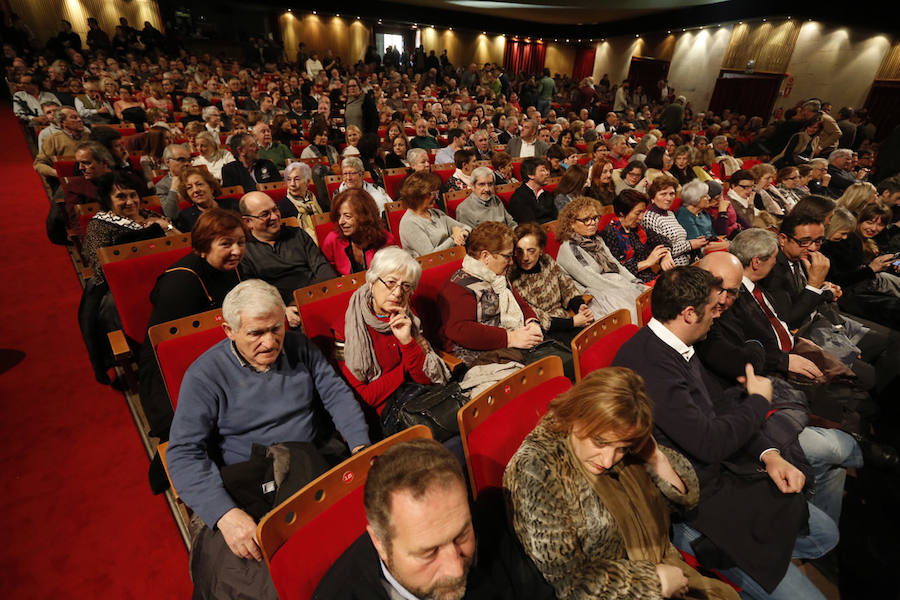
(297, 176)
(211, 156)
(380, 345)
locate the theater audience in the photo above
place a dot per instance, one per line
(270, 149)
(461, 179)
(789, 186)
(318, 134)
(483, 204)
(156, 139)
(211, 156)
(681, 165)
(839, 162)
(358, 233)
(590, 493)
(767, 195)
(198, 187)
(219, 411)
(379, 342)
(570, 186)
(640, 251)
(479, 310)
(547, 289)
(600, 185)
(62, 143)
(857, 196)
(352, 178)
(396, 152)
(696, 198)
(423, 228)
(660, 219)
(585, 257)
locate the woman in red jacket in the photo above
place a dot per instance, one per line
(380, 344)
(480, 311)
(358, 232)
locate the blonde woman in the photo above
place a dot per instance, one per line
(211, 156)
(857, 196)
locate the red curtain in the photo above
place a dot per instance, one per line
(524, 57)
(584, 63)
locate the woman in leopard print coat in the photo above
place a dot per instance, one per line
(590, 494)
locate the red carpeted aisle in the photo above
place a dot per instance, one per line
(77, 519)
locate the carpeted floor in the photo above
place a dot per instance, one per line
(77, 519)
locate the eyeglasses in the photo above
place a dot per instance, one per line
(730, 292)
(264, 215)
(588, 220)
(507, 257)
(405, 288)
(181, 159)
(349, 173)
(745, 186)
(807, 242)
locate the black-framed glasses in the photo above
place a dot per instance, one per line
(181, 159)
(405, 288)
(730, 292)
(807, 242)
(745, 186)
(264, 215)
(506, 257)
(588, 220)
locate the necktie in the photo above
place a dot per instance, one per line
(784, 338)
(799, 277)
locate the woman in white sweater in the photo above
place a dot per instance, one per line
(423, 228)
(585, 257)
(211, 156)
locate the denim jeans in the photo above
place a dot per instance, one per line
(829, 452)
(822, 538)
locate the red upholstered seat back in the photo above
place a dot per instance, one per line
(517, 167)
(601, 354)
(676, 204)
(131, 282)
(276, 194)
(323, 306)
(304, 558)
(494, 441)
(323, 229)
(505, 192)
(392, 180)
(393, 219)
(552, 247)
(424, 300)
(605, 220)
(64, 168)
(176, 355)
(444, 171)
(452, 205)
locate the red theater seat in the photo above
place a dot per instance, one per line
(454, 199)
(437, 268)
(494, 423)
(323, 305)
(595, 347)
(313, 527)
(394, 211)
(552, 247)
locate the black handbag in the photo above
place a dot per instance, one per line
(434, 406)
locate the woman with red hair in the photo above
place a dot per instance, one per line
(358, 233)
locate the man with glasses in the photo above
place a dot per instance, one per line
(249, 169)
(482, 205)
(177, 158)
(819, 177)
(283, 256)
(353, 177)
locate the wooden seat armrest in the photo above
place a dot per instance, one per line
(119, 345)
(161, 449)
(87, 273)
(453, 361)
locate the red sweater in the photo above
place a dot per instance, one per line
(395, 360)
(457, 306)
(335, 250)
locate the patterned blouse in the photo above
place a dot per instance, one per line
(664, 223)
(632, 247)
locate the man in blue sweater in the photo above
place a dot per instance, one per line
(258, 386)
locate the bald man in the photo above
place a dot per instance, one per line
(284, 256)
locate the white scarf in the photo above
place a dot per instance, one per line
(511, 315)
(466, 179)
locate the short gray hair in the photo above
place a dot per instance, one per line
(719, 138)
(818, 163)
(254, 298)
(187, 101)
(393, 259)
(305, 171)
(207, 111)
(839, 153)
(412, 155)
(481, 133)
(613, 140)
(481, 172)
(754, 243)
(167, 153)
(98, 152)
(693, 192)
(352, 162)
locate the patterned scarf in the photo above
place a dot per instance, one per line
(359, 351)
(511, 315)
(624, 238)
(597, 249)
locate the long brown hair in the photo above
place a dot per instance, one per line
(369, 231)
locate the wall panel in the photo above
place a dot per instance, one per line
(347, 38)
(769, 44)
(43, 16)
(890, 66)
(696, 60)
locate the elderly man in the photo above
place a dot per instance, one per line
(755, 522)
(482, 205)
(527, 144)
(618, 151)
(422, 139)
(94, 161)
(249, 169)
(421, 537)
(177, 158)
(720, 145)
(482, 143)
(93, 107)
(229, 110)
(610, 125)
(839, 169)
(259, 387)
(62, 143)
(269, 149)
(457, 139)
(284, 256)
(352, 176)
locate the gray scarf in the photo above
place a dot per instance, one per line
(359, 351)
(597, 249)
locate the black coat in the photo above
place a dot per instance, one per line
(524, 207)
(235, 173)
(795, 303)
